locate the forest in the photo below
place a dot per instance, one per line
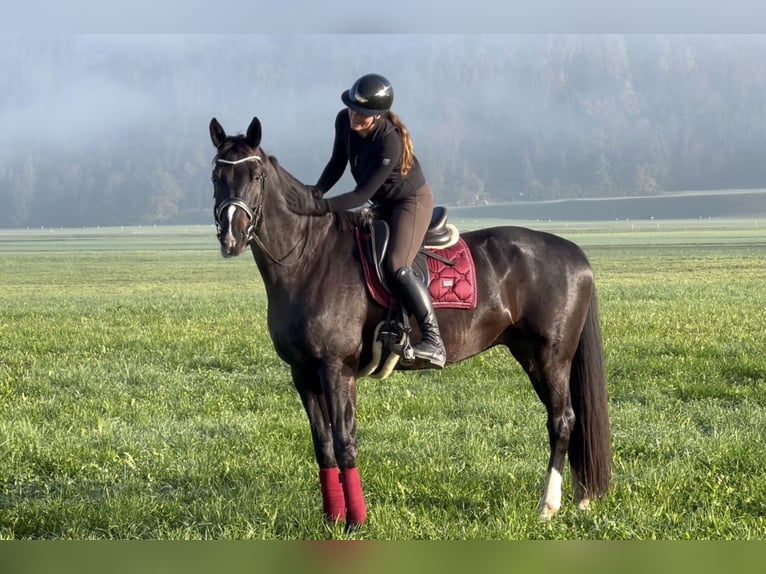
(113, 129)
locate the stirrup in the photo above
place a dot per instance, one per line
(405, 351)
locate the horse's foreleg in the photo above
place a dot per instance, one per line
(356, 509)
(333, 500)
(340, 388)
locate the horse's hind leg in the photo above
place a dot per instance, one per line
(552, 386)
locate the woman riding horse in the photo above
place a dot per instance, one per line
(535, 296)
(374, 141)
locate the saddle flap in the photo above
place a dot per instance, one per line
(376, 241)
(379, 237)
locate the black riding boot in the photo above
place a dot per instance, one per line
(417, 300)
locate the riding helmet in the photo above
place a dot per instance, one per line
(370, 95)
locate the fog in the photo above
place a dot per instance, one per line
(508, 117)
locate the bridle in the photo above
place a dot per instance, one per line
(254, 214)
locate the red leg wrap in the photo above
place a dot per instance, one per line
(333, 502)
(356, 511)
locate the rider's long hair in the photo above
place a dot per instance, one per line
(408, 153)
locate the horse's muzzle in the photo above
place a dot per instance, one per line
(230, 247)
(234, 223)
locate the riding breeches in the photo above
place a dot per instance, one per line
(409, 219)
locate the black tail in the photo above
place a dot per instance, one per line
(590, 451)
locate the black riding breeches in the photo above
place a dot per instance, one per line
(409, 219)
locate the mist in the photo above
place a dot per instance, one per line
(94, 128)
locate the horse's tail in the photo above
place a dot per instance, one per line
(590, 442)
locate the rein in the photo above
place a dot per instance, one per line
(254, 216)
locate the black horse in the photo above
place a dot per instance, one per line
(536, 296)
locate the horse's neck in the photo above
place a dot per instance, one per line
(286, 242)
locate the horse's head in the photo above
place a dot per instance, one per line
(238, 186)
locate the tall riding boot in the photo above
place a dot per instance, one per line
(417, 300)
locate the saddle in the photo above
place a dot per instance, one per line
(391, 338)
(440, 235)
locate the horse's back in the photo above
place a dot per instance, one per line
(511, 248)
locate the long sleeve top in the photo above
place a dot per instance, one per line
(375, 162)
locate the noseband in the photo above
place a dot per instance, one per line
(253, 214)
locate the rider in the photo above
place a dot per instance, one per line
(374, 141)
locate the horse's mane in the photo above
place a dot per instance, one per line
(286, 176)
(345, 221)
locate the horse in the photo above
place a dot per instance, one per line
(536, 297)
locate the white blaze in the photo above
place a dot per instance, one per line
(230, 218)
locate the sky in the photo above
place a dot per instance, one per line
(90, 107)
(391, 16)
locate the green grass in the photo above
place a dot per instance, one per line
(142, 398)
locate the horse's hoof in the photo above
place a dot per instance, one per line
(334, 518)
(546, 511)
(581, 498)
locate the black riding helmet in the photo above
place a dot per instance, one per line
(370, 95)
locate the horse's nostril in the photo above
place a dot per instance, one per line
(228, 249)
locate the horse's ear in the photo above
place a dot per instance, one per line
(254, 133)
(217, 135)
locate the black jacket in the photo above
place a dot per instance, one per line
(375, 163)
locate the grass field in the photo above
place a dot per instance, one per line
(141, 398)
(689, 205)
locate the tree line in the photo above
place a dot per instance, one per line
(113, 130)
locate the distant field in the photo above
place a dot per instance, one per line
(681, 206)
(142, 398)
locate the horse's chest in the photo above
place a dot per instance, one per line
(315, 331)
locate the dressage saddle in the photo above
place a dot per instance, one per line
(440, 235)
(391, 338)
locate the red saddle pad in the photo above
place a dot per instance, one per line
(451, 286)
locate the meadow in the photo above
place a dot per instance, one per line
(141, 399)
